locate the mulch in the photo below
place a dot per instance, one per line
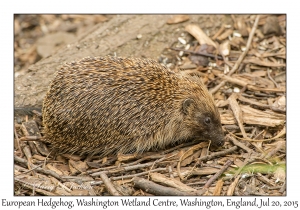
(244, 67)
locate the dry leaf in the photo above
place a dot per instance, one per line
(188, 160)
(272, 26)
(201, 60)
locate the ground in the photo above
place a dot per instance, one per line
(248, 88)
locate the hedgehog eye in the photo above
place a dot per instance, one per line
(207, 120)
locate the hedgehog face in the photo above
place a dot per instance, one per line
(203, 124)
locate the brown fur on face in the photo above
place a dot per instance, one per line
(109, 105)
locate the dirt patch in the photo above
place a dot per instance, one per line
(117, 36)
(240, 58)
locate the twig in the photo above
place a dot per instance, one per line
(33, 188)
(29, 170)
(239, 144)
(135, 165)
(281, 133)
(237, 112)
(129, 168)
(250, 87)
(216, 154)
(159, 160)
(235, 127)
(219, 32)
(171, 182)
(214, 177)
(279, 146)
(109, 186)
(77, 179)
(20, 168)
(109, 161)
(57, 182)
(179, 146)
(32, 138)
(18, 140)
(248, 160)
(261, 105)
(189, 152)
(129, 176)
(242, 56)
(156, 189)
(196, 183)
(198, 53)
(44, 171)
(265, 180)
(94, 171)
(269, 75)
(148, 157)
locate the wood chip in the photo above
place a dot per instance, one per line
(197, 32)
(178, 19)
(172, 182)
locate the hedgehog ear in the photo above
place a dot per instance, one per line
(187, 103)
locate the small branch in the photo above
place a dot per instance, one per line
(171, 182)
(129, 176)
(239, 144)
(198, 53)
(38, 169)
(241, 58)
(32, 138)
(216, 154)
(264, 179)
(215, 177)
(247, 161)
(109, 186)
(269, 75)
(29, 170)
(237, 112)
(17, 140)
(156, 189)
(35, 189)
(279, 146)
(186, 144)
(148, 157)
(189, 152)
(250, 87)
(129, 168)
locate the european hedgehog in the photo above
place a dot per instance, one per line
(115, 105)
